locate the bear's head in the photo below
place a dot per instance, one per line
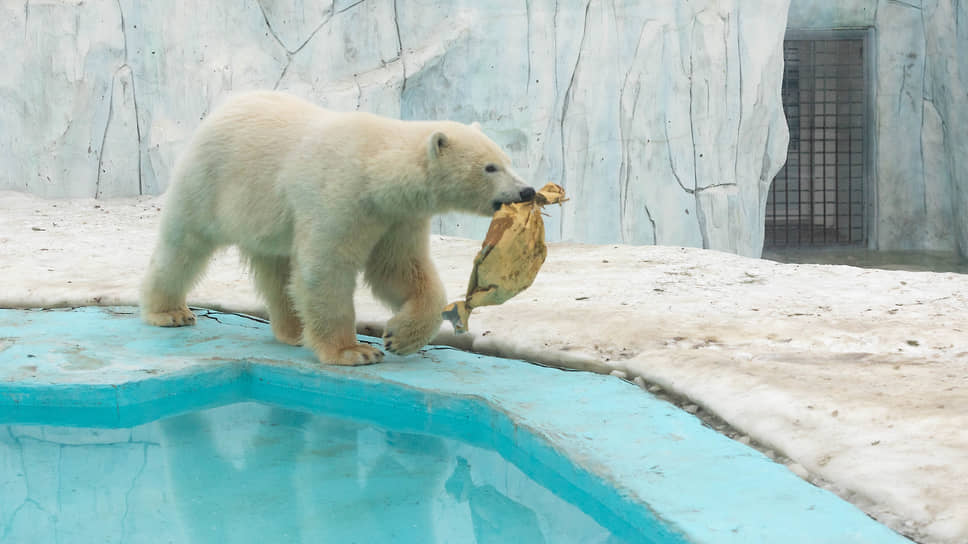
(471, 172)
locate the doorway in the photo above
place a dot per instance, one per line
(820, 197)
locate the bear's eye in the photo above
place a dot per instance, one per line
(490, 168)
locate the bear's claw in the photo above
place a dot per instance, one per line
(358, 355)
(405, 344)
(178, 317)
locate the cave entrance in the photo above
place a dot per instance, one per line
(820, 196)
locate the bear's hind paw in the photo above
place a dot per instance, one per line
(358, 355)
(178, 317)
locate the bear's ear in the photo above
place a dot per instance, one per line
(476, 126)
(436, 144)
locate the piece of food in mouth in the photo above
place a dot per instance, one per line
(510, 257)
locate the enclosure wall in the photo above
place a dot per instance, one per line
(662, 119)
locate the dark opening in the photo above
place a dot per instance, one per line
(818, 197)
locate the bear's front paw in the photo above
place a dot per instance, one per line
(178, 317)
(360, 354)
(404, 336)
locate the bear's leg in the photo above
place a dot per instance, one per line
(175, 266)
(271, 280)
(322, 293)
(401, 274)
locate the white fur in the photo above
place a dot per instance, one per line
(312, 197)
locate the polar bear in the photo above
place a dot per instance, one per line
(311, 197)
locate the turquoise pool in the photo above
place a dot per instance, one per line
(113, 431)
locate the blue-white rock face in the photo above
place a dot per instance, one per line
(662, 120)
(946, 109)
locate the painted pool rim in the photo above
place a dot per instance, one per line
(648, 471)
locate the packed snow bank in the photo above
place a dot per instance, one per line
(858, 376)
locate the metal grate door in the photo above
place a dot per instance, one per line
(818, 197)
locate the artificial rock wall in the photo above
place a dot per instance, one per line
(921, 102)
(663, 120)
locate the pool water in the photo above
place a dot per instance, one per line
(252, 472)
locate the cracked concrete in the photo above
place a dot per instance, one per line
(296, 31)
(400, 55)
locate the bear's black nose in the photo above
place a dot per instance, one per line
(527, 194)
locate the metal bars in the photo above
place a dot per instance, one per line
(817, 198)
